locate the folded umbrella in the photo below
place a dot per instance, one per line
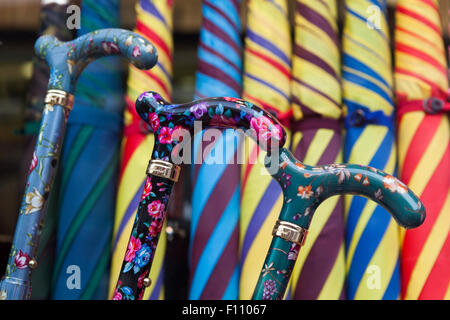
(372, 237)
(319, 272)
(214, 241)
(266, 82)
(88, 170)
(424, 151)
(154, 22)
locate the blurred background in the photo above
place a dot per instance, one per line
(19, 27)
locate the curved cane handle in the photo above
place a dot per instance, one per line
(304, 189)
(308, 187)
(68, 59)
(165, 120)
(222, 112)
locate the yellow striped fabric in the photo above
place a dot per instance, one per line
(267, 59)
(372, 236)
(319, 272)
(154, 22)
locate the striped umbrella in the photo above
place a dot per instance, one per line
(214, 240)
(88, 170)
(53, 21)
(266, 82)
(372, 236)
(154, 22)
(424, 152)
(319, 272)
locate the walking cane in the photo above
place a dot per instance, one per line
(304, 188)
(66, 61)
(167, 121)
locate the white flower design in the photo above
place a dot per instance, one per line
(34, 200)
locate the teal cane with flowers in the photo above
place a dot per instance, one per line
(304, 189)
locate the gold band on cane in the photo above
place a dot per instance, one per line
(59, 97)
(163, 169)
(290, 232)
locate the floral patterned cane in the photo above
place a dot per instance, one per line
(304, 189)
(168, 123)
(66, 61)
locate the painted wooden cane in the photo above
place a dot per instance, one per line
(66, 61)
(169, 123)
(304, 187)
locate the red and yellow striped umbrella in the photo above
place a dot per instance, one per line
(423, 142)
(154, 22)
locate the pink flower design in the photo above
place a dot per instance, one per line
(222, 121)
(156, 208)
(110, 47)
(154, 121)
(117, 295)
(21, 260)
(293, 251)
(140, 282)
(265, 129)
(155, 228)
(147, 188)
(136, 51)
(178, 133)
(165, 135)
(231, 99)
(33, 164)
(133, 246)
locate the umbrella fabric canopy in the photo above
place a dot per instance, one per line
(424, 152)
(53, 21)
(85, 202)
(266, 82)
(214, 240)
(154, 22)
(319, 272)
(372, 236)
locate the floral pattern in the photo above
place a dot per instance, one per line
(306, 188)
(166, 120)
